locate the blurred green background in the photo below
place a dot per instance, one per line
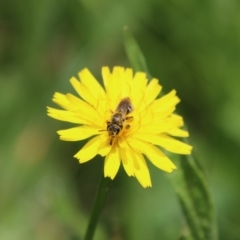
(192, 46)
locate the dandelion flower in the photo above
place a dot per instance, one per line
(126, 122)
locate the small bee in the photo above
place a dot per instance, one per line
(115, 125)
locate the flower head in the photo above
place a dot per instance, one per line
(125, 121)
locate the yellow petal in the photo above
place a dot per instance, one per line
(92, 84)
(61, 100)
(106, 75)
(129, 75)
(138, 88)
(152, 91)
(79, 104)
(141, 173)
(112, 163)
(140, 81)
(169, 143)
(116, 83)
(112, 88)
(82, 109)
(64, 115)
(177, 132)
(167, 101)
(104, 147)
(83, 91)
(127, 158)
(160, 126)
(124, 82)
(138, 102)
(94, 89)
(85, 111)
(164, 113)
(77, 133)
(89, 150)
(155, 155)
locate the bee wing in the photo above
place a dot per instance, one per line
(125, 106)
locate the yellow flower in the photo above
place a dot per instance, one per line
(148, 123)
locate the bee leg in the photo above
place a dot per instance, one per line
(128, 126)
(129, 118)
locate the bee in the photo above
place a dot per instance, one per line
(116, 124)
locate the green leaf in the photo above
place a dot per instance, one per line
(195, 199)
(200, 196)
(134, 53)
(180, 185)
(188, 180)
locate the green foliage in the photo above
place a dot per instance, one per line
(189, 181)
(195, 199)
(192, 46)
(134, 53)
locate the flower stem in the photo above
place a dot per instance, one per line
(101, 196)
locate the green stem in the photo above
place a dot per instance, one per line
(101, 196)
